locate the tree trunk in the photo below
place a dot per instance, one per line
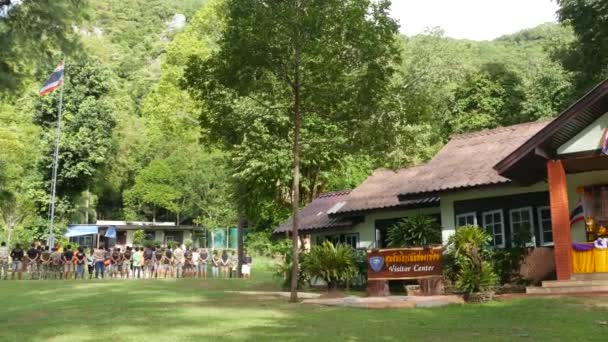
(86, 210)
(239, 243)
(295, 190)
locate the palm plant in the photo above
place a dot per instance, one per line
(467, 247)
(332, 263)
(416, 230)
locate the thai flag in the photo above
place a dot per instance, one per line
(605, 141)
(54, 82)
(577, 214)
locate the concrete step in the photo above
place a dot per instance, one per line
(590, 276)
(566, 289)
(568, 283)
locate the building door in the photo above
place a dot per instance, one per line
(121, 238)
(174, 235)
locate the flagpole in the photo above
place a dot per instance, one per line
(55, 166)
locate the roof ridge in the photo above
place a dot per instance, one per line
(496, 130)
(399, 169)
(334, 193)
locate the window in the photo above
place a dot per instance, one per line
(349, 239)
(83, 241)
(150, 235)
(522, 226)
(493, 222)
(352, 240)
(544, 226)
(466, 219)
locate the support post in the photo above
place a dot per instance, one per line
(560, 218)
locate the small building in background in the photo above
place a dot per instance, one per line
(121, 234)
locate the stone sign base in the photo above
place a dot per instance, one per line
(377, 288)
(431, 286)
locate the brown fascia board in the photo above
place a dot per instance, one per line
(599, 91)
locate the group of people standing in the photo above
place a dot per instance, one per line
(138, 262)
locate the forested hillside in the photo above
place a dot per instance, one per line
(139, 144)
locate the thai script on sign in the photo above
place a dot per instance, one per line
(405, 263)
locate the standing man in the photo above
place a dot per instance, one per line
(4, 253)
(203, 258)
(56, 263)
(68, 262)
(188, 263)
(148, 262)
(17, 257)
(178, 256)
(166, 262)
(81, 260)
(137, 262)
(39, 249)
(45, 263)
(158, 257)
(31, 261)
(126, 262)
(116, 262)
(99, 257)
(234, 263)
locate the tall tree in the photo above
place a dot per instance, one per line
(32, 32)
(87, 125)
(588, 55)
(330, 59)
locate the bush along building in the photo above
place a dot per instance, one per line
(539, 185)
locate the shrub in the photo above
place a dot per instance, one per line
(417, 230)
(188, 243)
(282, 246)
(283, 271)
(476, 278)
(258, 243)
(467, 249)
(139, 237)
(332, 263)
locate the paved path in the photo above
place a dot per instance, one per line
(302, 295)
(388, 302)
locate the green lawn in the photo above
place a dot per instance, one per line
(193, 310)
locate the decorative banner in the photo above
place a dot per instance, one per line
(404, 263)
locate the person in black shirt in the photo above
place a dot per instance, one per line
(17, 256)
(68, 263)
(31, 261)
(81, 260)
(39, 263)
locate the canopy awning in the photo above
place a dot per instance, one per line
(81, 230)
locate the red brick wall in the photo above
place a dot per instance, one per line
(560, 218)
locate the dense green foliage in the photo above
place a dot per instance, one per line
(32, 34)
(586, 56)
(137, 145)
(416, 230)
(467, 249)
(332, 263)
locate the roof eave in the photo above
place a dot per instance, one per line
(537, 140)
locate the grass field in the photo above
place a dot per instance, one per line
(194, 310)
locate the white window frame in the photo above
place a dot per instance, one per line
(532, 243)
(502, 225)
(540, 225)
(352, 235)
(471, 213)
